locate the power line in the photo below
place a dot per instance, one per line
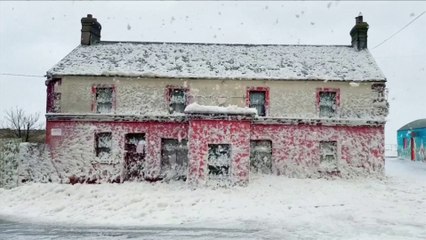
(408, 24)
(21, 75)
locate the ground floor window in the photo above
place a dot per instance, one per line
(261, 156)
(219, 161)
(103, 143)
(134, 157)
(328, 154)
(174, 159)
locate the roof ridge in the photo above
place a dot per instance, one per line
(224, 44)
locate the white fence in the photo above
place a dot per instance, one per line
(391, 150)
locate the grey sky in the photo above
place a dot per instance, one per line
(36, 35)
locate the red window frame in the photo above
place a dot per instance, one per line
(330, 90)
(169, 90)
(94, 89)
(259, 89)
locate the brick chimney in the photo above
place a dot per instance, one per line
(359, 33)
(90, 30)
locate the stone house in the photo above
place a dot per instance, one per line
(214, 113)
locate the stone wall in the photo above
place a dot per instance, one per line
(9, 151)
(25, 162)
(35, 165)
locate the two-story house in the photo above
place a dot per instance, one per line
(214, 113)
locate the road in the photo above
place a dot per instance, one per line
(21, 231)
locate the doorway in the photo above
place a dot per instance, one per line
(134, 157)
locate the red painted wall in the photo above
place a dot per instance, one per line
(204, 132)
(295, 148)
(76, 143)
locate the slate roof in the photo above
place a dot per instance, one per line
(419, 123)
(220, 61)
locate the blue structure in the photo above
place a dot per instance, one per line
(411, 140)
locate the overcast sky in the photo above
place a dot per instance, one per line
(36, 35)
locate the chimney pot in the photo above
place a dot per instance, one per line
(358, 19)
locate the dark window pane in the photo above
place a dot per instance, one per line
(327, 104)
(328, 152)
(257, 100)
(261, 156)
(177, 100)
(219, 161)
(104, 107)
(103, 99)
(174, 159)
(135, 151)
(103, 144)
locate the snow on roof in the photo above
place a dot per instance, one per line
(419, 123)
(231, 109)
(220, 61)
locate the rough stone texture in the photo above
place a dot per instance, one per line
(9, 150)
(295, 148)
(35, 164)
(74, 150)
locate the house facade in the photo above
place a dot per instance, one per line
(411, 139)
(214, 113)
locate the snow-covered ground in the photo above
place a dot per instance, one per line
(393, 207)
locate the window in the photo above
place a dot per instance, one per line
(104, 99)
(379, 100)
(327, 103)
(178, 100)
(56, 102)
(103, 144)
(134, 157)
(53, 96)
(328, 153)
(258, 98)
(258, 101)
(379, 90)
(174, 159)
(219, 161)
(261, 156)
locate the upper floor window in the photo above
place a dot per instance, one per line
(103, 144)
(380, 99)
(104, 98)
(53, 96)
(379, 90)
(258, 97)
(328, 101)
(177, 99)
